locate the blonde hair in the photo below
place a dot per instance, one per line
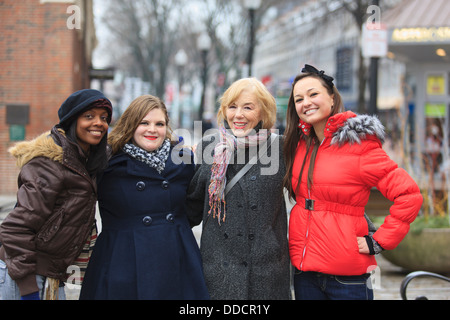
(266, 100)
(129, 121)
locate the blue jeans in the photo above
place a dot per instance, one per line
(319, 286)
(10, 291)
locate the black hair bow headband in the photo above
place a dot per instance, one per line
(310, 69)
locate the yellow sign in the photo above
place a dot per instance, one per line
(440, 34)
(436, 85)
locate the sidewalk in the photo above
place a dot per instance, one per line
(391, 277)
(387, 279)
(388, 289)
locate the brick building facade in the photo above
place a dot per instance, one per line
(45, 55)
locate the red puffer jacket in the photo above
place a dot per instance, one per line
(349, 162)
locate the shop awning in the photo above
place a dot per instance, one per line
(419, 30)
(419, 13)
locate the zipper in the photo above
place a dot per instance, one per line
(308, 223)
(307, 233)
(306, 241)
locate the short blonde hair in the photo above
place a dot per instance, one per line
(266, 100)
(129, 121)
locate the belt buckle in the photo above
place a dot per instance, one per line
(309, 204)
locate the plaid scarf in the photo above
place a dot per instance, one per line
(155, 159)
(223, 152)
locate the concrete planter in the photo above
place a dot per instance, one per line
(428, 250)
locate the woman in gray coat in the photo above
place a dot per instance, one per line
(244, 233)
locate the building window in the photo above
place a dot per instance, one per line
(17, 117)
(344, 61)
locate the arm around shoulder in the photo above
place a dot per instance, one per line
(197, 194)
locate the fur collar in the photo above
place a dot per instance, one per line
(42, 146)
(352, 128)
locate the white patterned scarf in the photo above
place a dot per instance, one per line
(155, 159)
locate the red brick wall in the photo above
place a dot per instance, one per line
(40, 65)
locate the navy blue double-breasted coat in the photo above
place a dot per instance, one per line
(146, 249)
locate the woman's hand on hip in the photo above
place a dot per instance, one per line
(362, 245)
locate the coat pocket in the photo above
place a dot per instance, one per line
(51, 227)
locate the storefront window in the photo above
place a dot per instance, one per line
(435, 114)
(436, 85)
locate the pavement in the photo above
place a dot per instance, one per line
(386, 280)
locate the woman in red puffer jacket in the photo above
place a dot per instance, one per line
(334, 158)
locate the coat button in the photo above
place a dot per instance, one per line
(147, 220)
(253, 207)
(253, 178)
(165, 184)
(140, 185)
(251, 236)
(170, 217)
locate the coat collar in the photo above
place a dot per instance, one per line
(73, 155)
(42, 146)
(52, 145)
(348, 127)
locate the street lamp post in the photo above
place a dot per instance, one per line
(252, 6)
(203, 44)
(180, 60)
(373, 81)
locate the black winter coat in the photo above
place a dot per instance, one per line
(246, 257)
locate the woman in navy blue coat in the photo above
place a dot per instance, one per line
(146, 249)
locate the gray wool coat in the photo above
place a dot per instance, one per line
(247, 256)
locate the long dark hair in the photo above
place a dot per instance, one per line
(293, 134)
(97, 157)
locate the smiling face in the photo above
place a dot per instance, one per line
(313, 103)
(151, 131)
(243, 114)
(92, 126)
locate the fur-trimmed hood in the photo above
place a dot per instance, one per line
(347, 127)
(42, 146)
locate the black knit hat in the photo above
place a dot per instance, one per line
(79, 102)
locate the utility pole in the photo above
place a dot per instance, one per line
(373, 80)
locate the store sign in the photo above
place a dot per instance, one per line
(435, 110)
(374, 40)
(435, 85)
(413, 35)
